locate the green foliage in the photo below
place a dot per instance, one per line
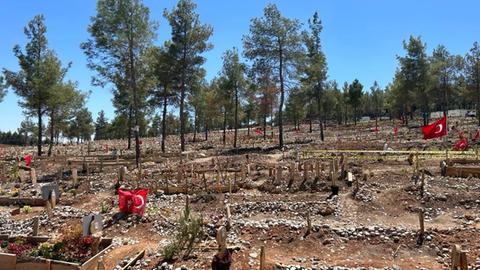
(189, 232)
(275, 41)
(3, 90)
(189, 42)
(101, 127)
(38, 73)
(355, 92)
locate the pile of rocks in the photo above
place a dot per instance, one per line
(249, 209)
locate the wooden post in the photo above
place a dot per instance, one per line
(305, 171)
(279, 174)
(205, 182)
(459, 258)
(33, 176)
(421, 219)
(262, 258)
(75, 175)
(229, 185)
(48, 208)
(229, 216)
(53, 199)
(422, 184)
(317, 169)
(309, 223)
(222, 238)
(35, 226)
(100, 265)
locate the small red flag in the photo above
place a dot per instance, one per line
(461, 145)
(132, 201)
(477, 135)
(436, 129)
(395, 131)
(28, 160)
(259, 131)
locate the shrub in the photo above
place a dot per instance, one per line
(189, 232)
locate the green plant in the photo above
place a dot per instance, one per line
(27, 209)
(189, 232)
(105, 208)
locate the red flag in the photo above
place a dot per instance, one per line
(28, 160)
(123, 200)
(132, 201)
(259, 131)
(477, 135)
(395, 131)
(461, 145)
(436, 129)
(139, 201)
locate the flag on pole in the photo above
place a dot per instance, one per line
(28, 160)
(436, 129)
(477, 135)
(461, 144)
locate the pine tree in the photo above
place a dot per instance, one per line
(276, 40)
(36, 78)
(101, 127)
(121, 34)
(189, 41)
(315, 67)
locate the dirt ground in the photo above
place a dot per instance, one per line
(376, 225)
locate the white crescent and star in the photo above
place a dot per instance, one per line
(439, 129)
(142, 200)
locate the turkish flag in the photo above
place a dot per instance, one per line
(461, 145)
(477, 135)
(259, 131)
(139, 201)
(395, 131)
(436, 129)
(28, 160)
(132, 201)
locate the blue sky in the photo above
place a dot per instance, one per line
(361, 38)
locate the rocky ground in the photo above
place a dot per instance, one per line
(373, 227)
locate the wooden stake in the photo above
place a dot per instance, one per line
(33, 176)
(75, 175)
(53, 199)
(48, 208)
(262, 258)
(421, 219)
(35, 226)
(229, 216)
(222, 238)
(309, 223)
(279, 175)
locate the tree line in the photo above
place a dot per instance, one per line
(279, 75)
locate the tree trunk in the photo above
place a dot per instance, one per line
(320, 114)
(248, 123)
(164, 123)
(195, 125)
(39, 138)
(282, 97)
(129, 132)
(52, 134)
(225, 126)
(310, 124)
(355, 115)
(206, 131)
(236, 119)
(265, 125)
